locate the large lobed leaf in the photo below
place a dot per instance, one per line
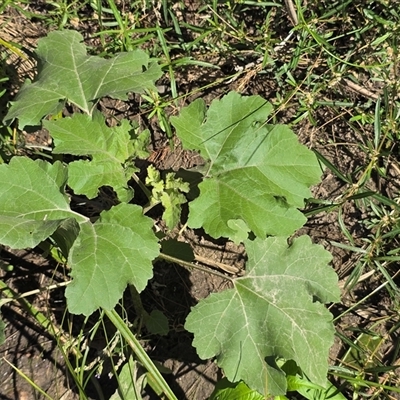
(116, 250)
(105, 256)
(66, 72)
(259, 173)
(273, 312)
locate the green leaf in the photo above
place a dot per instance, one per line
(87, 177)
(116, 250)
(105, 256)
(168, 193)
(273, 312)
(313, 392)
(258, 173)
(2, 331)
(33, 203)
(21, 233)
(32, 189)
(153, 178)
(66, 72)
(131, 382)
(66, 234)
(189, 126)
(58, 173)
(172, 208)
(174, 248)
(296, 382)
(241, 231)
(141, 143)
(226, 390)
(157, 323)
(109, 148)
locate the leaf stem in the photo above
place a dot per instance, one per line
(227, 268)
(155, 378)
(31, 292)
(191, 265)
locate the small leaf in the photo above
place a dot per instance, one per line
(258, 173)
(86, 177)
(226, 390)
(109, 148)
(116, 250)
(172, 203)
(167, 192)
(189, 126)
(273, 312)
(172, 183)
(314, 392)
(67, 73)
(153, 179)
(131, 382)
(157, 323)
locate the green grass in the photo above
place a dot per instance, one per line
(334, 78)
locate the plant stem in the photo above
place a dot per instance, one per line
(155, 379)
(191, 265)
(32, 292)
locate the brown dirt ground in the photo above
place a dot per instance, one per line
(173, 289)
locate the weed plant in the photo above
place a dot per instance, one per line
(331, 71)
